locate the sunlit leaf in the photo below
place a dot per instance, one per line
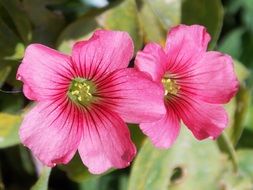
(238, 106)
(167, 11)
(96, 3)
(42, 183)
(119, 16)
(9, 125)
(242, 102)
(244, 161)
(178, 167)
(242, 179)
(241, 71)
(204, 12)
(226, 146)
(157, 17)
(235, 181)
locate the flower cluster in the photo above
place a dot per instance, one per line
(84, 100)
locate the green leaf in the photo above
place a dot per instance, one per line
(235, 181)
(243, 178)
(13, 64)
(9, 125)
(232, 43)
(241, 71)
(245, 162)
(247, 13)
(42, 183)
(242, 102)
(114, 180)
(11, 47)
(157, 17)
(119, 16)
(11, 103)
(136, 134)
(226, 146)
(123, 17)
(76, 170)
(47, 24)
(168, 12)
(1, 180)
(238, 106)
(204, 12)
(178, 167)
(20, 19)
(4, 72)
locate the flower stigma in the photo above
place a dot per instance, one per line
(170, 86)
(82, 91)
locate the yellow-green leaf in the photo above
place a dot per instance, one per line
(42, 183)
(179, 167)
(157, 17)
(204, 12)
(119, 16)
(9, 125)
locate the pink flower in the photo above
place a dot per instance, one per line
(195, 82)
(82, 100)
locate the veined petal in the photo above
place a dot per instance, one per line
(46, 73)
(104, 52)
(211, 80)
(203, 119)
(163, 132)
(132, 95)
(184, 46)
(52, 131)
(106, 141)
(152, 60)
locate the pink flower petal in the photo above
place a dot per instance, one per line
(45, 72)
(152, 60)
(184, 46)
(212, 79)
(163, 132)
(133, 95)
(106, 141)
(194, 36)
(104, 52)
(52, 130)
(203, 119)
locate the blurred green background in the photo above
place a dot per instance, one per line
(225, 164)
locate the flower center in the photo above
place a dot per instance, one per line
(170, 86)
(81, 91)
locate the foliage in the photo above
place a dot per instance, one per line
(189, 164)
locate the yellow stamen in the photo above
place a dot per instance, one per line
(170, 86)
(81, 91)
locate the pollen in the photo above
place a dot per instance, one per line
(82, 91)
(170, 86)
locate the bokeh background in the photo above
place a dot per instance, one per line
(225, 164)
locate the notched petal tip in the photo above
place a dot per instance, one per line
(164, 132)
(195, 36)
(53, 140)
(104, 51)
(106, 142)
(152, 60)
